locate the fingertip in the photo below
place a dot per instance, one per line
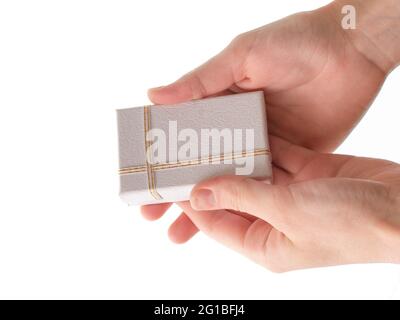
(150, 216)
(203, 199)
(170, 94)
(154, 212)
(219, 182)
(155, 93)
(202, 196)
(175, 237)
(163, 95)
(182, 230)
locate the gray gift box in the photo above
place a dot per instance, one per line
(164, 150)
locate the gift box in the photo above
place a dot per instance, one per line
(164, 150)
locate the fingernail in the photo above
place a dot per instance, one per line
(202, 199)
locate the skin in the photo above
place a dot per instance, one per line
(322, 210)
(318, 80)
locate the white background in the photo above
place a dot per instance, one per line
(65, 66)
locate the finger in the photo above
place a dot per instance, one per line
(255, 239)
(271, 203)
(154, 211)
(221, 225)
(303, 164)
(182, 229)
(289, 157)
(280, 176)
(214, 76)
(245, 215)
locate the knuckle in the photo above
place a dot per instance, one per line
(194, 84)
(198, 88)
(231, 193)
(240, 38)
(234, 196)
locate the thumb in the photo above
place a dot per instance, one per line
(216, 75)
(271, 203)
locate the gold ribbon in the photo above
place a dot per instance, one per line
(150, 168)
(194, 162)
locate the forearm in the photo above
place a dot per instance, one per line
(377, 32)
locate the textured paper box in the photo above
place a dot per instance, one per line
(234, 112)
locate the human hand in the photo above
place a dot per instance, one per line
(323, 210)
(317, 82)
(317, 85)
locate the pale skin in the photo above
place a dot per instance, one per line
(319, 80)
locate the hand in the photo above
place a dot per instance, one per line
(323, 210)
(317, 84)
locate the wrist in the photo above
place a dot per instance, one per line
(377, 29)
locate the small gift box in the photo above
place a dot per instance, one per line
(164, 150)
